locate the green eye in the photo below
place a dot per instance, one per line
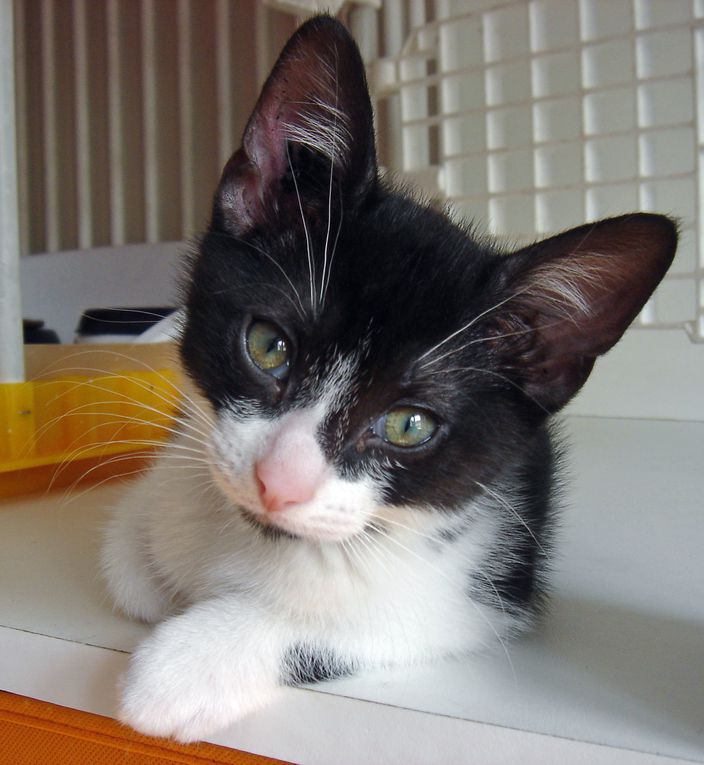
(407, 426)
(269, 348)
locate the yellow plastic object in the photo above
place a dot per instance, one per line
(63, 429)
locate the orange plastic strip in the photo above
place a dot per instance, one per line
(38, 733)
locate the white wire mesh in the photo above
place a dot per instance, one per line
(535, 115)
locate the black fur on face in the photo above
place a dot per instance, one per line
(305, 236)
(402, 280)
(384, 302)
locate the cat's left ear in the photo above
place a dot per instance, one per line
(569, 299)
(309, 142)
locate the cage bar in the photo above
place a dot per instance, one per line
(11, 350)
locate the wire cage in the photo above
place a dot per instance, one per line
(535, 115)
(529, 116)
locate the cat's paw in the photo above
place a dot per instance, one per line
(155, 705)
(180, 685)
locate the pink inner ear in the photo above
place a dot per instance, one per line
(293, 469)
(316, 97)
(265, 140)
(586, 286)
(575, 294)
(241, 203)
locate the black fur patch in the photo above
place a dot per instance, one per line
(304, 664)
(435, 317)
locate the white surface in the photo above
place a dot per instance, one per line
(619, 662)
(60, 286)
(305, 726)
(656, 374)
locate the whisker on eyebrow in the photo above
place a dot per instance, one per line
(334, 250)
(469, 324)
(309, 249)
(335, 137)
(261, 251)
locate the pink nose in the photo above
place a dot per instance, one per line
(292, 470)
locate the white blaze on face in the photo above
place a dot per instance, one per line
(278, 472)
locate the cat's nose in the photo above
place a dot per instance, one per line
(292, 470)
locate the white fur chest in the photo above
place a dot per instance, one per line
(400, 579)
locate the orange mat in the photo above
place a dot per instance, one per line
(37, 733)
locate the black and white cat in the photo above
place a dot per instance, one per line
(365, 476)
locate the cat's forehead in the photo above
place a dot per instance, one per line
(383, 289)
(330, 379)
(402, 288)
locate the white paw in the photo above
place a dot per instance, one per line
(181, 686)
(153, 704)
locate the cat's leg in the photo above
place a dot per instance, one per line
(223, 658)
(203, 669)
(130, 579)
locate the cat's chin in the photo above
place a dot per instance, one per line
(263, 524)
(280, 527)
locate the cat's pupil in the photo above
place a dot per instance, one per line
(412, 423)
(278, 345)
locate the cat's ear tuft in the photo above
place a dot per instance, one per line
(571, 297)
(312, 127)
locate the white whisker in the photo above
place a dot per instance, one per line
(300, 309)
(309, 251)
(185, 399)
(333, 150)
(505, 503)
(434, 568)
(464, 328)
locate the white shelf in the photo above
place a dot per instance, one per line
(616, 674)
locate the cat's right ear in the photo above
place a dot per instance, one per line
(309, 142)
(571, 297)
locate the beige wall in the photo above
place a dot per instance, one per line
(127, 111)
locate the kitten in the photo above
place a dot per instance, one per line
(365, 476)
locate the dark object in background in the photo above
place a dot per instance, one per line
(117, 325)
(34, 332)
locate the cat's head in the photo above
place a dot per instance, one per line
(364, 355)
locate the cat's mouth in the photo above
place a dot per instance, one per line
(288, 527)
(322, 520)
(260, 521)
(263, 524)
